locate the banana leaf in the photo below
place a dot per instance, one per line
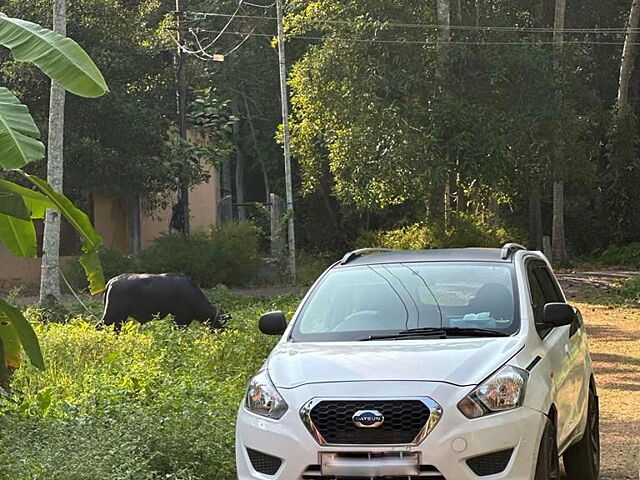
(18, 133)
(59, 57)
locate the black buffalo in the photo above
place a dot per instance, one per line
(143, 296)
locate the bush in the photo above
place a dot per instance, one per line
(154, 402)
(411, 237)
(629, 289)
(227, 255)
(309, 267)
(465, 230)
(626, 255)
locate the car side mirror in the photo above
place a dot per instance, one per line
(558, 314)
(273, 323)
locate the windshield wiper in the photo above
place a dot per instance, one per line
(474, 332)
(441, 332)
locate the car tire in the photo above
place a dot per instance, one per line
(582, 460)
(548, 464)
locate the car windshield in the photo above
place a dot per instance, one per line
(361, 302)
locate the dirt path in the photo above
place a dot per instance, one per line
(614, 338)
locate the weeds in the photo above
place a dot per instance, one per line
(154, 402)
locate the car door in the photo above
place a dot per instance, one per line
(556, 343)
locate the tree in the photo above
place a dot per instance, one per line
(628, 57)
(50, 276)
(65, 62)
(558, 245)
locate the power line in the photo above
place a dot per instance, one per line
(481, 28)
(413, 42)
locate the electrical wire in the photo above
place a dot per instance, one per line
(596, 30)
(417, 42)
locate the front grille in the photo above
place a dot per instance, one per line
(490, 464)
(403, 421)
(263, 463)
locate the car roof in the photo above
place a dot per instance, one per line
(381, 256)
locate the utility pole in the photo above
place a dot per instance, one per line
(183, 200)
(287, 147)
(50, 272)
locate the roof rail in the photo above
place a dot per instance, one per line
(361, 251)
(510, 248)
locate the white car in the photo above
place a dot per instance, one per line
(443, 364)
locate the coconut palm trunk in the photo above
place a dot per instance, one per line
(50, 276)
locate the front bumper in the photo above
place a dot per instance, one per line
(453, 441)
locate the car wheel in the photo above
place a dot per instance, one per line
(582, 460)
(548, 465)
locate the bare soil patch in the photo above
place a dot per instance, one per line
(614, 340)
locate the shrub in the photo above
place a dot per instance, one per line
(629, 289)
(465, 230)
(309, 267)
(411, 237)
(626, 255)
(154, 402)
(227, 255)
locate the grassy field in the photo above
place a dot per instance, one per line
(159, 403)
(154, 402)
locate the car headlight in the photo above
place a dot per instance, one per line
(263, 397)
(503, 391)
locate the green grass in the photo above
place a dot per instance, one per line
(153, 402)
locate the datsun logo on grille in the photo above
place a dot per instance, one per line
(368, 418)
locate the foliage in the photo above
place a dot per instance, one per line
(465, 230)
(153, 402)
(625, 255)
(224, 255)
(411, 237)
(114, 262)
(470, 231)
(310, 267)
(629, 289)
(65, 62)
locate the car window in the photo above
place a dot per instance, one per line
(549, 287)
(353, 302)
(544, 289)
(537, 295)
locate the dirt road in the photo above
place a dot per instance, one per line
(614, 337)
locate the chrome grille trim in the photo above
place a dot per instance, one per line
(435, 414)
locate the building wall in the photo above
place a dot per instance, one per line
(111, 222)
(16, 270)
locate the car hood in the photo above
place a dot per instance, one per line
(465, 361)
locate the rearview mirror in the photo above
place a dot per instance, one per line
(273, 323)
(558, 314)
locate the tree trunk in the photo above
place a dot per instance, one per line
(559, 250)
(628, 55)
(50, 276)
(254, 137)
(535, 219)
(237, 139)
(444, 38)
